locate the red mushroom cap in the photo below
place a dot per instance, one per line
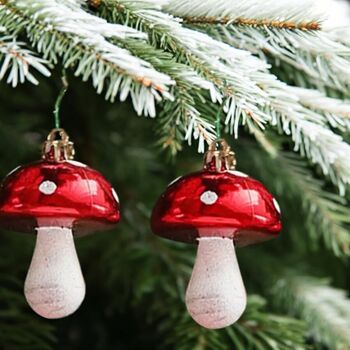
(67, 190)
(217, 204)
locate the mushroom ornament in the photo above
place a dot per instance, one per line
(56, 198)
(220, 209)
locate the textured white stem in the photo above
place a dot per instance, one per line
(216, 296)
(54, 287)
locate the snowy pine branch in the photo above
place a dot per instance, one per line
(286, 31)
(55, 28)
(321, 59)
(310, 134)
(288, 109)
(164, 31)
(336, 111)
(195, 49)
(324, 308)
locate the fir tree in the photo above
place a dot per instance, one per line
(265, 75)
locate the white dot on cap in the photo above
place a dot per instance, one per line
(115, 196)
(238, 173)
(47, 187)
(209, 197)
(277, 206)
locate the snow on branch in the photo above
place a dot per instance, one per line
(323, 59)
(341, 34)
(284, 30)
(310, 133)
(281, 14)
(336, 111)
(325, 309)
(64, 30)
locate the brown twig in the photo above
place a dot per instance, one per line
(313, 25)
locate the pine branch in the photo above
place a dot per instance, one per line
(311, 135)
(195, 49)
(323, 61)
(324, 308)
(307, 128)
(327, 214)
(336, 111)
(270, 330)
(256, 330)
(54, 28)
(182, 120)
(16, 62)
(180, 74)
(289, 33)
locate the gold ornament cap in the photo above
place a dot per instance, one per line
(219, 157)
(57, 147)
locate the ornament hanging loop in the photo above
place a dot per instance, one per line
(57, 147)
(219, 157)
(60, 96)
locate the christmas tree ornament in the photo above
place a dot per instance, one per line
(220, 209)
(56, 198)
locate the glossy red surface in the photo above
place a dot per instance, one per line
(217, 204)
(67, 191)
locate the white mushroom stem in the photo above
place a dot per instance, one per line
(215, 296)
(54, 287)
